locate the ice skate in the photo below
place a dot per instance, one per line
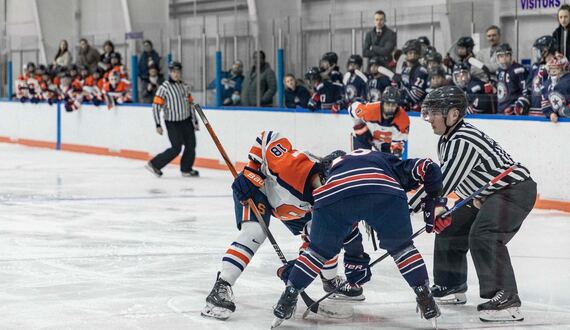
(219, 303)
(346, 292)
(153, 169)
(426, 304)
(504, 306)
(450, 295)
(285, 306)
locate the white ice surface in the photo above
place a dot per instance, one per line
(94, 242)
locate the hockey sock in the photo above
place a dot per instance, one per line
(306, 268)
(329, 268)
(412, 266)
(241, 251)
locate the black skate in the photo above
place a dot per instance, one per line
(153, 169)
(219, 303)
(450, 295)
(285, 306)
(504, 306)
(426, 304)
(346, 292)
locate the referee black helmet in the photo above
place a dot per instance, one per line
(443, 99)
(175, 66)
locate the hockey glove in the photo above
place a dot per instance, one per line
(284, 271)
(247, 183)
(357, 269)
(432, 206)
(397, 149)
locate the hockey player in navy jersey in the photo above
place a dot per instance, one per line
(556, 90)
(437, 78)
(371, 186)
(543, 49)
(474, 88)
(355, 81)
(414, 78)
(280, 180)
(377, 82)
(329, 67)
(512, 93)
(382, 125)
(327, 95)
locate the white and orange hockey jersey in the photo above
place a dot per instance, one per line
(387, 135)
(289, 174)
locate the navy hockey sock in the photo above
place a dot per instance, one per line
(306, 268)
(412, 266)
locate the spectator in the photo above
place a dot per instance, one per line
(377, 82)
(149, 58)
(232, 82)
(63, 56)
(87, 55)
(267, 81)
(151, 83)
(296, 95)
(487, 55)
(561, 32)
(105, 58)
(380, 41)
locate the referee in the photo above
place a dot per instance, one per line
(469, 159)
(174, 99)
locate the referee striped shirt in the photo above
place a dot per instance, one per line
(174, 99)
(469, 159)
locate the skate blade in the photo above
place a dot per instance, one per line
(434, 323)
(214, 312)
(342, 297)
(452, 299)
(276, 322)
(503, 315)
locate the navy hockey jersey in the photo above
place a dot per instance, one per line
(376, 87)
(536, 79)
(556, 97)
(373, 172)
(479, 102)
(511, 85)
(326, 95)
(355, 85)
(414, 85)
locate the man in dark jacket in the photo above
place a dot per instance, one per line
(149, 58)
(88, 55)
(561, 34)
(267, 83)
(380, 41)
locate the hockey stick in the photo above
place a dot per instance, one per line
(416, 234)
(308, 301)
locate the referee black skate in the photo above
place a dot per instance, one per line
(469, 159)
(174, 99)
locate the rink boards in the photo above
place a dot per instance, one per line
(129, 131)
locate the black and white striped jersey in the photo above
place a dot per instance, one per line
(174, 99)
(469, 159)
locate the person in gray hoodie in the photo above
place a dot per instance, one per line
(267, 83)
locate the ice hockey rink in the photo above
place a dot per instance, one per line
(96, 242)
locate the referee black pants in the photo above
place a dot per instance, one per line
(485, 232)
(180, 133)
